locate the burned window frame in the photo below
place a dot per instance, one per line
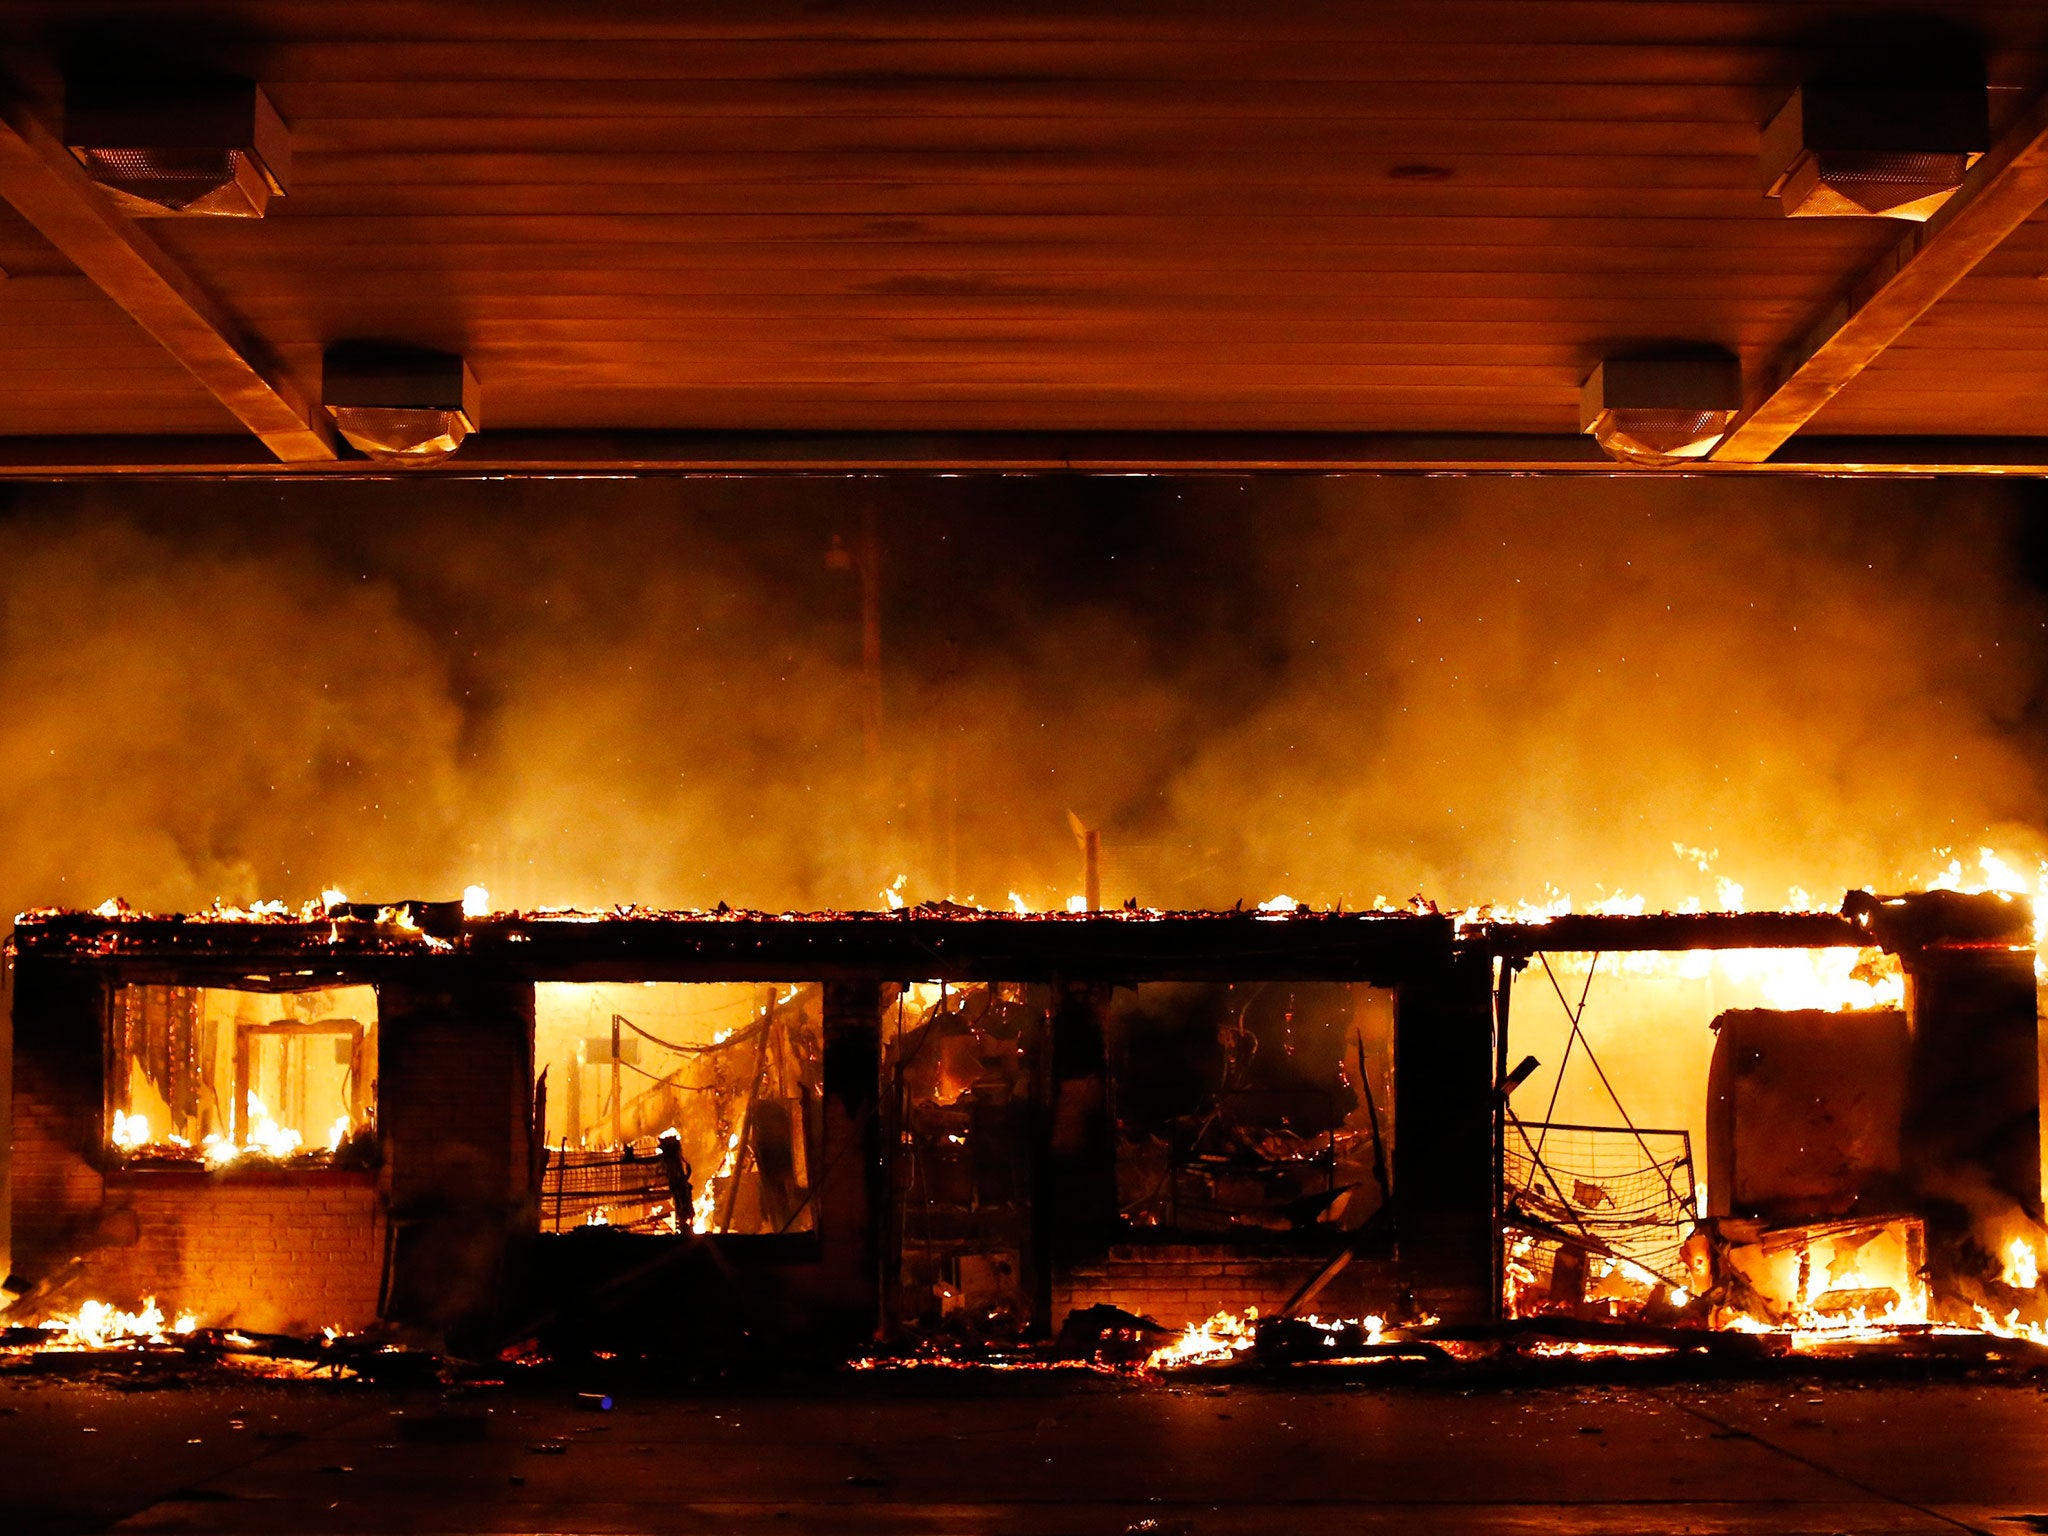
(1373, 1100)
(360, 1148)
(581, 1188)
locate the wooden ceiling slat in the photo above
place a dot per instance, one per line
(333, 148)
(1207, 22)
(626, 358)
(1778, 23)
(1448, 103)
(832, 240)
(789, 173)
(84, 363)
(969, 290)
(1342, 56)
(1224, 208)
(1157, 268)
(286, 321)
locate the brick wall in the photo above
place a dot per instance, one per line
(59, 1076)
(280, 1251)
(1181, 1283)
(1177, 1285)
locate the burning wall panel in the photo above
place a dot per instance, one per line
(1804, 1113)
(259, 1242)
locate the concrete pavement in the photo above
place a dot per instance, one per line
(1086, 1455)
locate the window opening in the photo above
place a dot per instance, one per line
(674, 1106)
(217, 1074)
(1252, 1108)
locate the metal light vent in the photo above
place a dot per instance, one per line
(1873, 151)
(213, 181)
(397, 404)
(413, 437)
(160, 150)
(1658, 412)
(1660, 438)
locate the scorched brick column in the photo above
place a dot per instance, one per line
(1444, 1103)
(59, 1112)
(455, 1115)
(1074, 1212)
(1971, 1137)
(850, 1187)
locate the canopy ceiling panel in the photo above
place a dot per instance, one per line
(904, 218)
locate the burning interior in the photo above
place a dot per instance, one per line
(216, 1073)
(959, 1128)
(672, 1107)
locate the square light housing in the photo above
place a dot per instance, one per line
(166, 149)
(1661, 411)
(399, 404)
(1895, 151)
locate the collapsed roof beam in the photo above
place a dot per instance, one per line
(49, 188)
(2003, 191)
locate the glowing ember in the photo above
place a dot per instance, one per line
(1579, 1350)
(1223, 1337)
(476, 901)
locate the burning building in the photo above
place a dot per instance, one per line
(944, 1123)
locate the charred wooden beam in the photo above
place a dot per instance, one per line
(939, 943)
(852, 1182)
(1445, 1180)
(1585, 933)
(913, 945)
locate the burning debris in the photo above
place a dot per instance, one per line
(97, 1325)
(102, 1337)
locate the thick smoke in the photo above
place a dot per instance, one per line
(598, 693)
(1494, 688)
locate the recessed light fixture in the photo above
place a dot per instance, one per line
(399, 404)
(1661, 411)
(1873, 151)
(161, 148)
